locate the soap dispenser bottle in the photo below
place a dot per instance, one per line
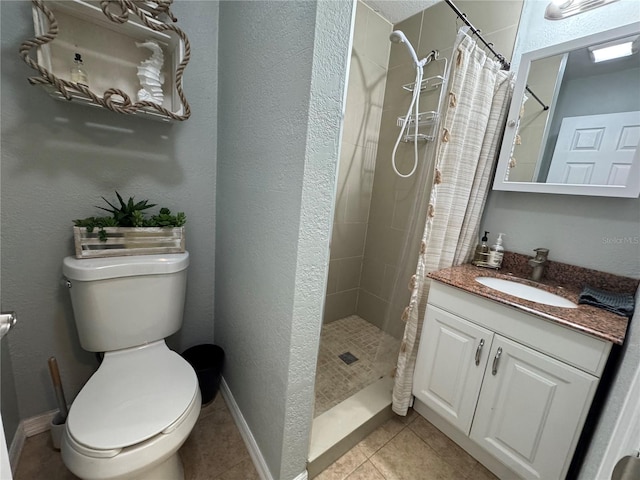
(78, 74)
(481, 257)
(496, 252)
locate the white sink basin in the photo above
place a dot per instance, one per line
(526, 292)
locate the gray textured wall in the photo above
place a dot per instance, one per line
(55, 167)
(593, 232)
(280, 104)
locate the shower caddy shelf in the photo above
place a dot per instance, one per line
(424, 119)
(427, 84)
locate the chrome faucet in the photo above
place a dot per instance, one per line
(538, 263)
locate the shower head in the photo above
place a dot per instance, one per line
(398, 36)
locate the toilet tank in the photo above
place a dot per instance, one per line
(122, 302)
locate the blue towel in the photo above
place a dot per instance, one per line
(618, 303)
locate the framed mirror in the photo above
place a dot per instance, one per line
(588, 141)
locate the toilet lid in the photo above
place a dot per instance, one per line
(134, 395)
(102, 268)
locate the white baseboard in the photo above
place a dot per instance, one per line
(247, 436)
(28, 428)
(245, 432)
(38, 424)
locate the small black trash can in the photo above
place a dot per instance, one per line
(207, 360)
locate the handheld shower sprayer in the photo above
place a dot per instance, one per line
(398, 36)
(411, 121)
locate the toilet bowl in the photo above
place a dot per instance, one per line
(132, 416)
(138, 408)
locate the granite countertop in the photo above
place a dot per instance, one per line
(561, 279)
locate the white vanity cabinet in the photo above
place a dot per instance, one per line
(511, 388)
(450, 366)
(530, 409)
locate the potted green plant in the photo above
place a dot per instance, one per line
(129, 231)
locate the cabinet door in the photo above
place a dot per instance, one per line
(531, 410)
(450, 365)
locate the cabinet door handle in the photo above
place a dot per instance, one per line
(479, 351)
(494, 370)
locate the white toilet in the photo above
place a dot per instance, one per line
(138, 408)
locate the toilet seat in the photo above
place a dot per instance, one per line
(134, 395)
(154, 459)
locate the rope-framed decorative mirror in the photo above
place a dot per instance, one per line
(124, 55)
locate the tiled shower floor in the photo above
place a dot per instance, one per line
(336, 381)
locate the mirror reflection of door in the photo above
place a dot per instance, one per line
(595, 149)
(574, 85)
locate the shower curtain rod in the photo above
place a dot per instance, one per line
(503, 61)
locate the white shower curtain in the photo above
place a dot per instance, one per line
(479, 97)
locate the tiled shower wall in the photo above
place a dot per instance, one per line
(392, 197)
(374, 207)
(367, 78)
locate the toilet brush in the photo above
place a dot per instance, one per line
(57, 386)
(57, 424)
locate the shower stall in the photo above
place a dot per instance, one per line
(395, 91)
(376, 223)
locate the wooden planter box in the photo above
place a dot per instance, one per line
(128, 241)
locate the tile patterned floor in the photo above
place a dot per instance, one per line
(406, 448)
(214, 451)
(336, 381)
